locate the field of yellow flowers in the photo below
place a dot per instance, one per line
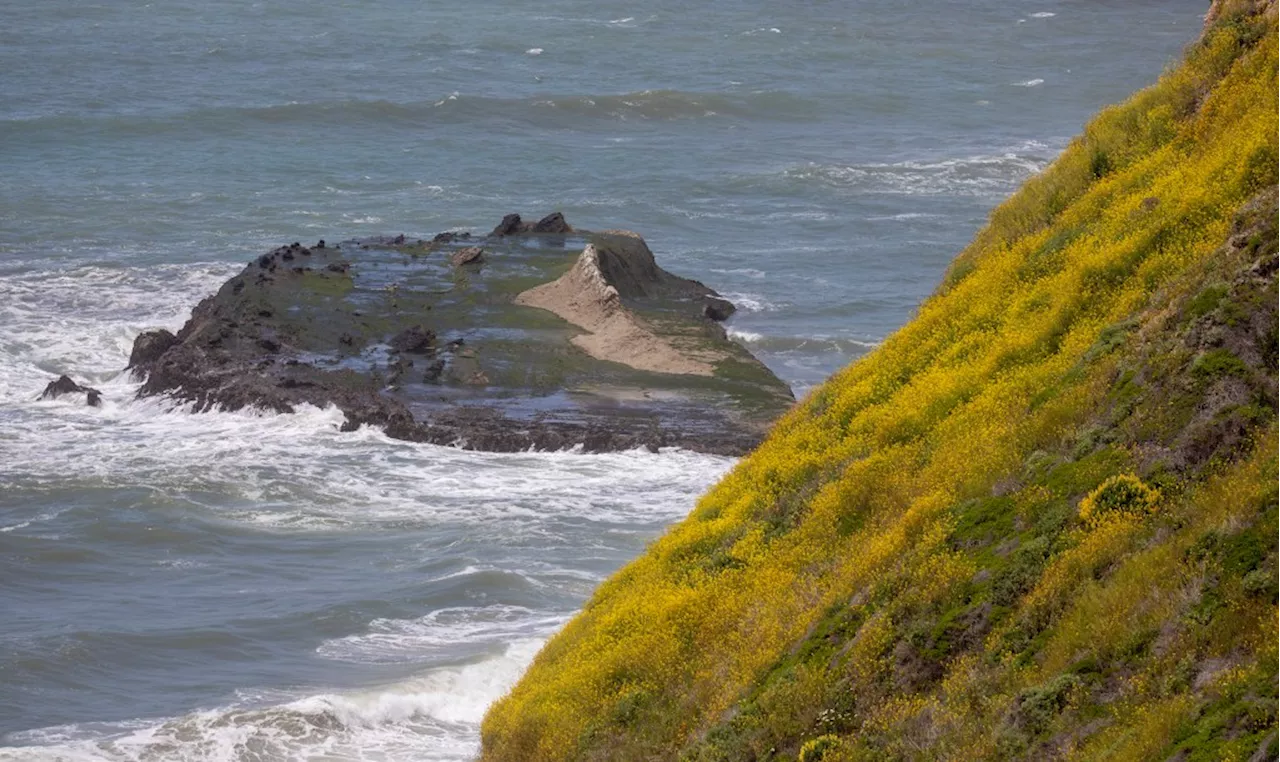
(1039, 522)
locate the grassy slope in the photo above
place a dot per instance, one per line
(904, 569)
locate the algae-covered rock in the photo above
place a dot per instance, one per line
(562, 338)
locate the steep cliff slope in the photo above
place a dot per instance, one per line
(1039, 522)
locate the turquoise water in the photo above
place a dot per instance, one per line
(234, 586)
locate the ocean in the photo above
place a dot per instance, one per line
(243, 586)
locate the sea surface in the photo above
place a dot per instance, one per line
(259, 587)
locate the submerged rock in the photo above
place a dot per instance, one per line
(413, 340)
(472, 255)
(565, 338)
(65, 385)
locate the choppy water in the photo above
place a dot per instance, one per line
(242, 587)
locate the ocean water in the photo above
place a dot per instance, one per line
(257, 587)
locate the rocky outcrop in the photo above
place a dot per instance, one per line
(590, 299)
(149, 345)
(1239, 8)
(64, 385)
(412, 336)
(512, 224)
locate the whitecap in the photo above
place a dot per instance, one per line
(534, 51)
(1043, 15)
(905, 216)
(446, 632)
(1029, 83)
(750, 302)
(750, 272)
(433, 716)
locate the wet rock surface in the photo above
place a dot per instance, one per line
(65, 385)
(411, 335)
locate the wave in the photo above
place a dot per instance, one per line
(433, 716)
(440, 633)
(984, 175)
(750, 302)
(815, 345)
(548, 111)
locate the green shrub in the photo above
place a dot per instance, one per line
(1216, 364)
(1124, 495)
(816, 749)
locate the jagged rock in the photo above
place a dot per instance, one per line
(148, 346)
(717, 309)
(472, 255)
(552, 223)
(64, 385)
(510, 225)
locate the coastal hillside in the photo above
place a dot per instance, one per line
(1039, 521)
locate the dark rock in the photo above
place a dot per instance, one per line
(451, 236)
(64, 385)
(717, 309)
(510, 225)
(552, 223)
(148, 347)
(278, 342)
(320, 244)
(434, 371)
(472, 255)
(414, 340)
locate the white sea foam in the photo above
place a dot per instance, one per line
(906, 216)
(750, 272)
(534, 51)
(1043, 15)
(290, 469)
(1029, 83)
(750, 302)
(441, 633)
(747, 337)
(431, 716)
(982, 175)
